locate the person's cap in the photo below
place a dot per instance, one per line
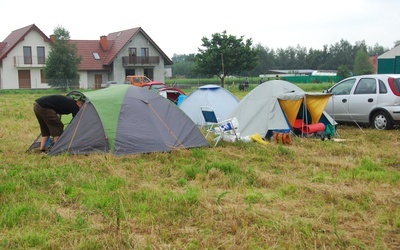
(77, 97)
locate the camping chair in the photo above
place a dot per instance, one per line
(227, 129)
(210, 118)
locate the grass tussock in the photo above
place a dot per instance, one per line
(312, 194)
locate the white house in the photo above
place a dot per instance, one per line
(111, 58)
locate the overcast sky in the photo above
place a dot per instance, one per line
(177, 26)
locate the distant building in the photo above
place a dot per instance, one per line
(302, 75)
(374, 61)
(298, 72)
(389, 62)
(23, 56)
(290, 72)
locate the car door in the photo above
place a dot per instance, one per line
(338, 106)
(364, 99)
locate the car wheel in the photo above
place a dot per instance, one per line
(381, 121)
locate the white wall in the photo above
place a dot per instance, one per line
(87, 78)
(83, 80)
(10, 73)
(138, 42)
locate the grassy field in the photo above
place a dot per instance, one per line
(312, 194)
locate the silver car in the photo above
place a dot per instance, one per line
(366, 99)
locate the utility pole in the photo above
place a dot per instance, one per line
(223, 70)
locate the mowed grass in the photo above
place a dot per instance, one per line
(312, 194)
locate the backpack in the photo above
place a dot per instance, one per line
(330, 131)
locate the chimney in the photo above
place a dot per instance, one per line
(104, 43)
(52, 38)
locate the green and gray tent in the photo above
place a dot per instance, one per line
(125, 119)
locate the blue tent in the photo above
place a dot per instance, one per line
(220, 99)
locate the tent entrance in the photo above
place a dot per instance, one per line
(305, 114)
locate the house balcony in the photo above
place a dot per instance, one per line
(140, 60)
(29, 62)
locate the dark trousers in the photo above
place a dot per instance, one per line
(49, 121)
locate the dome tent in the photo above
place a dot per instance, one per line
(220, 99)
(125, 119)
(276, 105)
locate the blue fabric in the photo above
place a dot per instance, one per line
(209, 116)
(181, 98)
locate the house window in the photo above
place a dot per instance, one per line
(132, 55)
(27, 55)
(130, 72)
(96, 56)
(42, 77)
(144, 52)
(132, 51)
(149, 73)
(40, 55)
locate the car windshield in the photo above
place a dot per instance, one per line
(156, 87)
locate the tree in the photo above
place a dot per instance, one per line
(317, 59)
(265, 60)
(343, 71)
(61, 68)
(225, 55)
(341, 53)
(376, 50)
(183, 65)
(362, 65)
(301, 55)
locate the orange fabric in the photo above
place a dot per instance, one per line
(316, 105)
(291, 109)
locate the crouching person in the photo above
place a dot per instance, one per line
(48, 111)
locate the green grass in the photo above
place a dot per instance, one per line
(311, 195)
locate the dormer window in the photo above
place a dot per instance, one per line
(96, 56)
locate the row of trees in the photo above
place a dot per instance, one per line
(224, 55)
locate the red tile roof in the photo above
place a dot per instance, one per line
(16, 37)
(116, 41)
(2, 46)
(86, 48)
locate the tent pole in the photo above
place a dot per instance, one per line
(305, 109)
